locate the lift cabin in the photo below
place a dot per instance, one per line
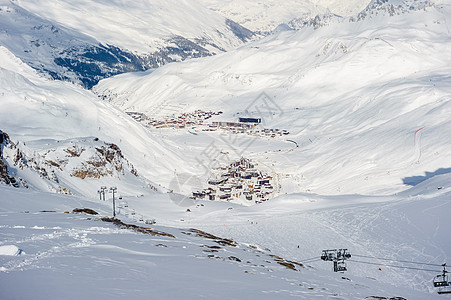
(441, 282)
(340, 266)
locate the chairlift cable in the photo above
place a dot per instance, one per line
(307, 260)
(394, 266)
(311, 261)
(402, 261)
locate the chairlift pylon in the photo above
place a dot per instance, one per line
(338, 257)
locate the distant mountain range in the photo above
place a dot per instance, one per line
(66, 41)
(86, 41)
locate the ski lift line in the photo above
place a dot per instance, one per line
(313, 258)
(310, 261)
(401, 261)
(394, 266)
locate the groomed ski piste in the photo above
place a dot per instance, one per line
(365, 167)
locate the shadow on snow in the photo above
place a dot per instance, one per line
(414, 180)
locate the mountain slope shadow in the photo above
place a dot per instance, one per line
(414, 180)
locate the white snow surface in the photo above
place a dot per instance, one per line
(9, 250)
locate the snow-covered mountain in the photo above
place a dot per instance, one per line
(229, 174)
(375, 9)
(138, 36)
(112, 38)
(265, 16)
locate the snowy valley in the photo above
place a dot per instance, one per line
(206, 149)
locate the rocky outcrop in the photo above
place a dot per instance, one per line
(5, 176)
(87, 158)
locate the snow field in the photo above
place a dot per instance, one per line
(66, 251)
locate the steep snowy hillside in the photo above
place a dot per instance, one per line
(56, 136)
(366, 103)
(59, 253)
(67, 40)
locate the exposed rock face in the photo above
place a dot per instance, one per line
(5, 176)
(87, 158)
(106, 160)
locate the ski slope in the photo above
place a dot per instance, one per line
(56, 253)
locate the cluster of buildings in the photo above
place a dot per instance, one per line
(248, 126)
(270, 132)
(240, 181)
(198, 118)
(182, 121)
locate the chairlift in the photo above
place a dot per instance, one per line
(441, 280)
(340, 266)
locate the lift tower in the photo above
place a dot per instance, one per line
(338, 256)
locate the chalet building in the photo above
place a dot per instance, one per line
(199, 195)
(232, 125)
(225, 189)
(217, 181)
(250, 120)
(225, 196)
(263, 181)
